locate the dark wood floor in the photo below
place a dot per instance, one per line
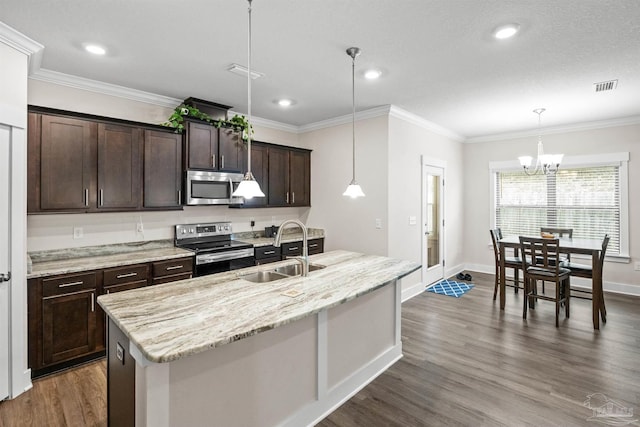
(465, 363)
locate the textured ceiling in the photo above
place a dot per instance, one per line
(438, 57)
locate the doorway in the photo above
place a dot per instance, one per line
(433, 262)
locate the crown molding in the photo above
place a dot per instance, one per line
(76, 82)
(347, 118)
(401, 114)
(24, 44)
(271, 124)
(574, 127)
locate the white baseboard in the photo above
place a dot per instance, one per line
(412, 291)
(578, 282)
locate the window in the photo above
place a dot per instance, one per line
(590, 198)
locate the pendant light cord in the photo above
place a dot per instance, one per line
(249, 94)
(353, 115)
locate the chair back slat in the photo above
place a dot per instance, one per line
(540, 252)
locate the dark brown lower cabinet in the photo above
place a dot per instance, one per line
(66, 325)
(267, 254)
(121, 375)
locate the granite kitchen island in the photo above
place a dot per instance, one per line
(219, 350)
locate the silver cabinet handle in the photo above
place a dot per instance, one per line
(293, 248)
(93, 302)
(86, 197)
(101, 197)
(66, 285)
(269, 252)
(122, 276)
(314, 245)
(174, 267)
(287, 197)
(222, 161)
(293, 197)
(179, 196)
(213, 161)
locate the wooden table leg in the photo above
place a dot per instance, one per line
(502, 278)
(596, 292)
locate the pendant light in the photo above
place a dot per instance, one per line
(545, 163)
(248, 187)
(353, 190)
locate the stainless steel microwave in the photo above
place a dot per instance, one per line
(212, 188)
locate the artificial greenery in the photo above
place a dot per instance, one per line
(176, 120)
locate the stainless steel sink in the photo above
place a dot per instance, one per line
(296, 269)
(263, 276)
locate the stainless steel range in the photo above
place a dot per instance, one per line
(215, 250)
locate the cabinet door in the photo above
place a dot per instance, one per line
(69, 326)
(68, 159)
(33, 163)
(162, 169)
(299, 178)
(278, 177)
(291, 249)
(202, 146)
(119, 167)
(260, 170)
(232, 150)
(315, 246)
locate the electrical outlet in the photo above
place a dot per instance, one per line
(378, 223)
(636, 266)
(253, 223)
(139, 227)
(77, 233)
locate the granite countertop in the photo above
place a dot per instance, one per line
(292, 234)
(73, 260)
(172, 321)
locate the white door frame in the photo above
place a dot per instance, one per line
(5, 258)
(435, 273)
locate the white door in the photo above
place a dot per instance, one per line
(433, 221)
(5, 157)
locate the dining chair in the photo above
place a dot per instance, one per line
(586, 271)
(559, 232)
(544, 267)
(510, 262)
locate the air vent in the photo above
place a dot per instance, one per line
(604, 86)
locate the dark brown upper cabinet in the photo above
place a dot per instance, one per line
(210, 148)
(289, 177)
(119, 167)
(162, 169)
(83, 163)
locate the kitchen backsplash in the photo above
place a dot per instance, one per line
(47, 232)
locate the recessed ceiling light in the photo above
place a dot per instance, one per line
(284, 102)
(506, 31)
(95, 49)
(372, 74)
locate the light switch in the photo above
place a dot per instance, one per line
(412, 220)
(378, 223)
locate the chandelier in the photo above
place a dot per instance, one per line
(545, 163)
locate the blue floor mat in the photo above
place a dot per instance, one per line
(450, 287)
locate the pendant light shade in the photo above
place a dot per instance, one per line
(248, 187)
(353, 190)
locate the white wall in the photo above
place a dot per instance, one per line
(407, 142)
(477, 250)
(350, 223)
(56, 230)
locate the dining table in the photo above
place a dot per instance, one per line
(591, 247)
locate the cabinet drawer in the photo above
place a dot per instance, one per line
(315, 246)
(172, 267)
(68, 284)
(270, 251)
(125, 286)
(172, 278)
(292, 249)
(120, 275)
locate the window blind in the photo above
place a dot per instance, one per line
(586, 199)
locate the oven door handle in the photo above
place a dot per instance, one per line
(230, 189)
(224, 256)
